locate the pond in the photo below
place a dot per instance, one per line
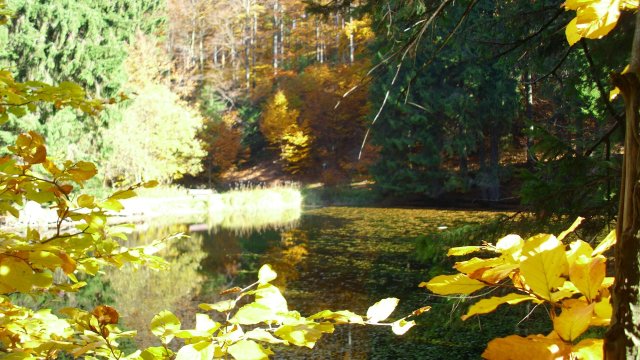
(326, 258)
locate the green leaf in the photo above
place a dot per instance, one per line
(381, 310)
(249, 350)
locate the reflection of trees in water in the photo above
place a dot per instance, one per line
(285, 255)
(142, 293)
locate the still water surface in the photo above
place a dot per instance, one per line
(327, 258)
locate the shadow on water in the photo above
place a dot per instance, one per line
(328, 258)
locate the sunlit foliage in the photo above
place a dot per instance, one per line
(570, 279)
(148, 144)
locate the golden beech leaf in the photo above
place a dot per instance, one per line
(532, 347)
(453, 284)
(605, 244)
(475, 264)
(587, 274)
(589, 349)
(544, 265)
(401, 326)
(602, 311)
(510, 246)
(594, 18)
(381, 310)
(495, 274)
(82, 170)
(486, 306)
(573, 320)
(266, 274)
(464, 250)
(571, 228)
(576, 249)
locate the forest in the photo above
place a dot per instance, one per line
(528, 107)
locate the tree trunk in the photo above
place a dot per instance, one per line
(531, 156)
(622, 340)
(275, 38)
(246, 36)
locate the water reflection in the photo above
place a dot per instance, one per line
(328, 258)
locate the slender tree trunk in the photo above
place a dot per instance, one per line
(494, 158)
(317, 40)
(531, 157)
(247, 44)
(254, 32)
(275, 38)
(622, 340)
(352, 46)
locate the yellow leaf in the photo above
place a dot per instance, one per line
(464, 250)
(532, 347)
(587, 274)
(475, 264)
(164, 325)
(486, 306)
(571, 228)
(613, 94)
(82, 170)
(263, 336)
(510, 246)
(86, 201)
(381, 310)
(594, 19)
(576, 249)
(305, 334)
(589, 349)
(453, 284)
(271, 297)
(605, 244)
(220, 306)
(602, 312)
(544, 265)
(401, 326)
(266, 274)
(495, 274)
(573, 320)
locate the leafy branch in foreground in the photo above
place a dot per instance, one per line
(266, 320)
(570, 280)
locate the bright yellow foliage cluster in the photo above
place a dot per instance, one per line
(569, 279)
(595, 18)
(280, 127)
